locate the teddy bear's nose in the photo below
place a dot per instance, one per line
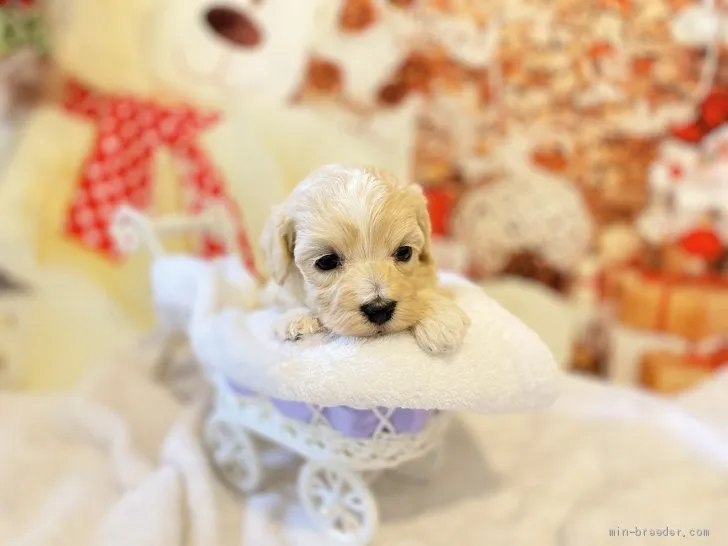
(233, 26)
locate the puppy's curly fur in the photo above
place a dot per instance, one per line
(350, 247)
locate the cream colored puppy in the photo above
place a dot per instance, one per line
(351, 249)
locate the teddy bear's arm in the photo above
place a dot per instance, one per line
(42, 170)
(251, 171)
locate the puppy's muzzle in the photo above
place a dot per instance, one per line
(379, 311)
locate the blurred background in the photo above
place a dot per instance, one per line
(572, 144)
(574, 155)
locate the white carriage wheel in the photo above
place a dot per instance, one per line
(234, 454)
(339, 502)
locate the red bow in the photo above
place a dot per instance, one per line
(118, 170)
(704, 243)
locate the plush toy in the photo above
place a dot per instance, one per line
(144, 92)
(526, 222)
(303, 137)
(166, 106)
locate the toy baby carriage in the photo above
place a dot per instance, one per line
(349, 408)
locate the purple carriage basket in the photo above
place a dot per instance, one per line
(347, 421)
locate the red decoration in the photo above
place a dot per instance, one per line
(715, 109)
(692, 133)
(599, 50)
(676, 171)
(553, 160)
(118, 168)
(17, 3)
(711, 361)
(440, 203)
(704, 243)
(625, 6)
(712, 113)
(643, 66)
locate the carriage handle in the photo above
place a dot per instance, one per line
(130, 228)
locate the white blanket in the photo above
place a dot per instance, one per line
(119, 464)
(502, 365)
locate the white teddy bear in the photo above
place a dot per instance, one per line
(156, 112)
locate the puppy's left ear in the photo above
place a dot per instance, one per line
(423, 220)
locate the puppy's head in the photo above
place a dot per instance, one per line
(356, 241)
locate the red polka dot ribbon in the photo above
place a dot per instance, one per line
(118, 170)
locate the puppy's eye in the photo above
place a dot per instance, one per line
(403, 254)
(328, 262)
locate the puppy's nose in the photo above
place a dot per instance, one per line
(233, 26)
(379, 311)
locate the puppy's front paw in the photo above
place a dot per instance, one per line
(293, 327)
(444, 330)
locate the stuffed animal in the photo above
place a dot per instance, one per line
(166, 106)
(141, 120)
(525, 222)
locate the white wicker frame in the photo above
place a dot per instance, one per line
(333, 482)
(318, 441)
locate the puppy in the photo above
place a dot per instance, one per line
(350, 248)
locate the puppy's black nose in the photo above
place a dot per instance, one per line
(379, 311)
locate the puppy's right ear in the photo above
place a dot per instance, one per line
(424, 221)
(276, 241)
